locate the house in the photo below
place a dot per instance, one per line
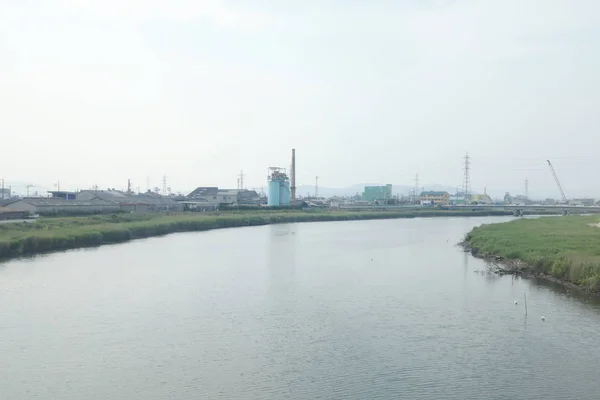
(53, 206)
(246, 196)
(208, 193)
(9, 213)
(435, 198)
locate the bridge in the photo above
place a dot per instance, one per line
(516, 209)
(533, 208)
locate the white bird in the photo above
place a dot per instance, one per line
(543, 318)
(516, 303)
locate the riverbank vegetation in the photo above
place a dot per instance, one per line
(62, 233)
(565, 248)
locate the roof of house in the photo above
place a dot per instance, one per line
(58, 202)
(122, 198)
(228, 192)
(60, 192)
(248, 193)
(6, 202)
(8, 210)
(203, 191)
(434, 193)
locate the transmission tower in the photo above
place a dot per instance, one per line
(164, 188)
(467, 182)
(526, 189)
(416, 190)
(241, 180)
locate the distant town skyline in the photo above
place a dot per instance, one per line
(96, 92)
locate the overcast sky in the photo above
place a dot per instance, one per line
(98, 91)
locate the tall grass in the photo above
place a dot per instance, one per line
(50, 234)
(567, 248)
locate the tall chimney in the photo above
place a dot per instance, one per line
(293, 175)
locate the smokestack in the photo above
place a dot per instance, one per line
(293, 175)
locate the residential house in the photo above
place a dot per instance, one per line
(9, 213)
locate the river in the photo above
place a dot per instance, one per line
(386, 309)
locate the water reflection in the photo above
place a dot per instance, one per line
(281, 254)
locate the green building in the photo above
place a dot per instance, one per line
(373, 193)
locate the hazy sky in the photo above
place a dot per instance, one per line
(98, 91)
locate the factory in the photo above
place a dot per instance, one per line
(279, 189)
(377, 193)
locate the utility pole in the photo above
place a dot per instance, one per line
(316, 187)
(526, 189)
(416, 189)
(27, 187)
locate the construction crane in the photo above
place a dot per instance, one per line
(558, 183)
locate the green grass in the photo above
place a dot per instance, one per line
(567, 248)
(61, 233)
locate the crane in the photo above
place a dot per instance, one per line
(558, 183)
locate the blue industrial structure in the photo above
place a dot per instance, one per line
(279, 187)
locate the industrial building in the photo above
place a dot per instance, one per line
(481, 199)
(375, 193)
(141, 203)
(213, 196)
(50, 206)
(435, 198)
(279, 187)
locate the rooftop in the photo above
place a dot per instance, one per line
(434, 193)
(7, 210)
(53, 201)
(204, 191)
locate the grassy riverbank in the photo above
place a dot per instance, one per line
(565, 248)
(53, 234)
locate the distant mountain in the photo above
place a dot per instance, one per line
(305, 190)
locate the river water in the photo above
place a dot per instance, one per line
(388, 309)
